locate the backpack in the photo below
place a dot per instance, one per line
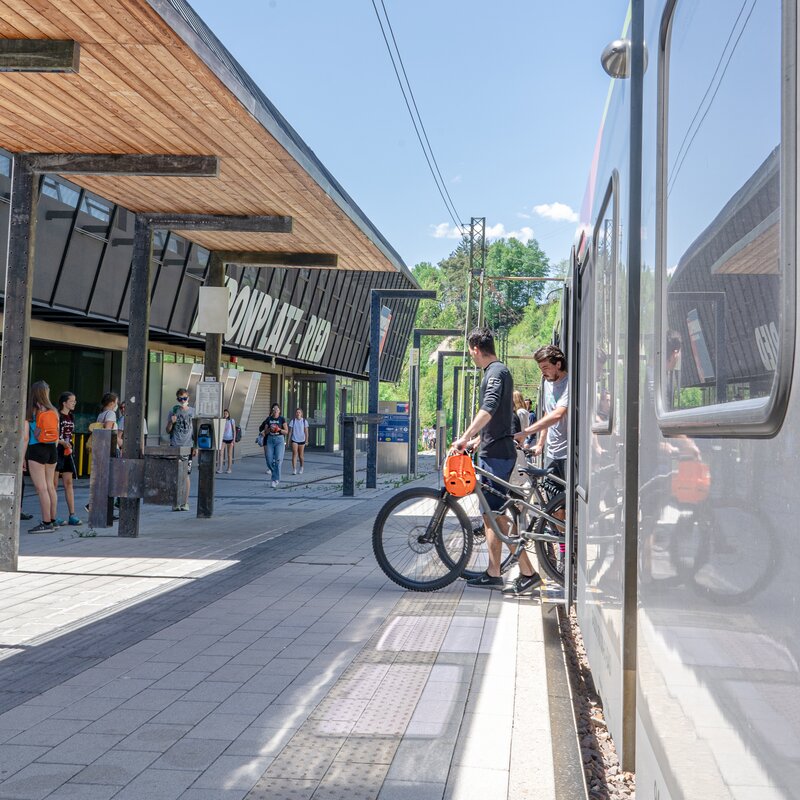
(93, 426)
(238, 436)
(46, 426)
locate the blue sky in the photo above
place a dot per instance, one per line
(511, 95)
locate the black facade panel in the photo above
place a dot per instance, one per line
(70, 293)
(112, 277)
(318, 319)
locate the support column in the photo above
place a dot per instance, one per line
(374, 382)
(207, 459)
(15, 357)
(413, 406)
(136, 372)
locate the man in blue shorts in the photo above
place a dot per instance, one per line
(492, 428)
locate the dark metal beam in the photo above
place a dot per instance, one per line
(39, 55)
(248, 258)
(234, 223)
(15, 355)
(134, 164)
(376, 296)
(136, 369)
(207, 459)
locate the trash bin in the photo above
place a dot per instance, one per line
(165, 470)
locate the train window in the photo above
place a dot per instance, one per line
(726, 186)
(604, 252)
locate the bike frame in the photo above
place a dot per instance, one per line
(491, 516)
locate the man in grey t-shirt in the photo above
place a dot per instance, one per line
(553, 365)
(181, 433)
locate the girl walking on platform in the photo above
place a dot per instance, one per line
(298, 437)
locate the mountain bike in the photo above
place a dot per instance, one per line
(424, 539)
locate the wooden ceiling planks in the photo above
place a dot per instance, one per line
(141, 88)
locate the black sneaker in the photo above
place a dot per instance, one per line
(522, 584)
(43, 527)
(486, 581)
(25, 517)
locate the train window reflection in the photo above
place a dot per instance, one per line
(605, 268)
(721, 265)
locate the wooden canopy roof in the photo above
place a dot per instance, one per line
(154, 79)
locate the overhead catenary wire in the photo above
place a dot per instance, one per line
(430, 158)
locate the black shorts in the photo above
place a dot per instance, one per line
(65, 464)
(42, 453)
(559, 467)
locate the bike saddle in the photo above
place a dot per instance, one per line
(534, 472)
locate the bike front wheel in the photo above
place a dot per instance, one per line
(422, 539)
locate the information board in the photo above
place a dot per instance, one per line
(209, 399)
(394, 428)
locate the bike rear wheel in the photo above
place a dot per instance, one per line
(422, 539)
(552, 555)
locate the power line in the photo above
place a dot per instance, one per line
(419, 116)
(434, 170)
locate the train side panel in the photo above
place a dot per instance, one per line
(718, 700)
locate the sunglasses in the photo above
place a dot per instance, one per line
(183, 399)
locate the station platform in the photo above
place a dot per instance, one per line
(262, 654)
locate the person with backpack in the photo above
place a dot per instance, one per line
(228, 439)
(180, 427)
(42, 455)
(65, 466)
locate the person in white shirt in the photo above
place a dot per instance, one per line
(298, 436)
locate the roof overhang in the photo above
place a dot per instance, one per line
(153, 79)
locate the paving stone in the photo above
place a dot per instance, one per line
(182, 712)
(84, 791)
(412, 790)
(191, 754)
(222, 726)
(233, 772)
(50, 732)
(37, 781)
(115, 768)
(14, 757)
(163, 784)
(269, 788)
(153, 737)
(81, 748)
(120, 721)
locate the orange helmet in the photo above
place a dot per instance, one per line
(691, 482)
(459, 475)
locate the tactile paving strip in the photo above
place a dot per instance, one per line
(344, 749)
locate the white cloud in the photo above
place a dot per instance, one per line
(457, 179)
(558, 212)
(498, 231)
(523, 215)
(445, 231)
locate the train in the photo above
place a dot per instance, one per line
(680, 326)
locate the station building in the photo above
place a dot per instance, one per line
(297, 331)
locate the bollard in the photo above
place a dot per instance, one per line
(349, 422)
(349, 456)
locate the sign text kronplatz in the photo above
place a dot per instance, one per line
(258, 321)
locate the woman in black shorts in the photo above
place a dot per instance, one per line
(65, 466)
(42, 456)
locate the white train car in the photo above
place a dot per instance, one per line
(686, 424)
